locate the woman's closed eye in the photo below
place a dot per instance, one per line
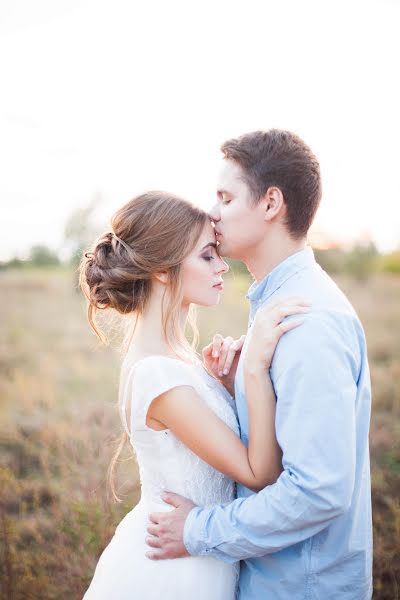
(208, 258)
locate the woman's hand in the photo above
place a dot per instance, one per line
(268, 327)
(221, 358)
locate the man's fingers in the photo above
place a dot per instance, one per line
(153, 530)
(172, 499)
(154, 542)
(155, 555)
(155, 517)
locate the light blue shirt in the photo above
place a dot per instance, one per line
(309, 535)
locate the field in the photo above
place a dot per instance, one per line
(59, 424)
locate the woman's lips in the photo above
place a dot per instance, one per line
(219, 286)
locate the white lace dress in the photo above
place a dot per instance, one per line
(165, 463)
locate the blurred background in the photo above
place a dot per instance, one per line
(103, 100)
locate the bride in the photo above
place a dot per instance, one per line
(178, 412)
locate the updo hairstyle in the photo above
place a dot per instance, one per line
(154, 232)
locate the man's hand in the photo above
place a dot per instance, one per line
(166, 529)
(221, 358)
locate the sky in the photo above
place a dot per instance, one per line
(101, 100)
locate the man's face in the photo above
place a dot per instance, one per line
(239, 225)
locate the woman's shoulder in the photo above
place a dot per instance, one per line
(157, 363)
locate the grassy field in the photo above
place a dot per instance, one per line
(59, 424)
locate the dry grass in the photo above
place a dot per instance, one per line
(58, 423)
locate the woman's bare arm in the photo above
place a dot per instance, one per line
(184, 412)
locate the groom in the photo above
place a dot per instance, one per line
(308, 536)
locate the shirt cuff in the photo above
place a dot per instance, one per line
(194, 530)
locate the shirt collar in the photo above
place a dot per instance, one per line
(259, 292)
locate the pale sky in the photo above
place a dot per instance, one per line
(114, 97)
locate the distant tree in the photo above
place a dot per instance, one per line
(13, 263)
(331, 260)
(391, 262)
(42, 256)
(362, 261)
(80, 230)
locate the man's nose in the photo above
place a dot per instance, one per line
(224, 267)
(214, 213)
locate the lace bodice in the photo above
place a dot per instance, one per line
(165, 463)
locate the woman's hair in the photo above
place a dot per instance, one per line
(154, 232)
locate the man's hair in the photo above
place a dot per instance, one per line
(278, 158)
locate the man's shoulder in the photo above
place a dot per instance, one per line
(332, 319)
(323, 292)
(326, 338)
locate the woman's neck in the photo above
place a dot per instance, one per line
(148, 336)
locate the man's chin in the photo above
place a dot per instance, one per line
(225, 251)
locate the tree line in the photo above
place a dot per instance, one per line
(359, 261)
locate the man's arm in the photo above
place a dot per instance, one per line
(315, 372)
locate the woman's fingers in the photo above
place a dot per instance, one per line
(236, 346)
(285, 326)
(207, 351)
(225, 367)
(283, 308)
(286, 311)
(239, 343)
(281, 301)
(221, 352)
(270, 319)
(217, 344)
(226, 349)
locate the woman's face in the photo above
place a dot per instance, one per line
(202, 271)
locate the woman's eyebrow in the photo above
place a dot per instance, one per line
(213, 244)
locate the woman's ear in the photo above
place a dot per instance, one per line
(161, 276)
(273, 202)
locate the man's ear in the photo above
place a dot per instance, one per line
(161, 276)
(273, 203)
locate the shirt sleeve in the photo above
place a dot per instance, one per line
(314, 372)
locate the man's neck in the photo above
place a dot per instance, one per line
(270, 254)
